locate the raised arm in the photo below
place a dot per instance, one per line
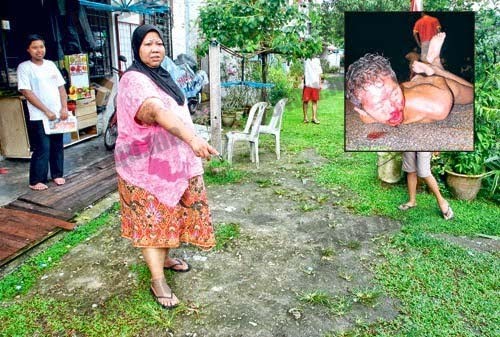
(152, 112)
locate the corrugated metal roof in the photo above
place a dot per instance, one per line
(140, 6)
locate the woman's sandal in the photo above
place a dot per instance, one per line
(165, 292)
(179, 262)
(448, 215)
(405, 207)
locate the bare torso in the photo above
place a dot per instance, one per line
(427, 99)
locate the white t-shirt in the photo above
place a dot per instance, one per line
(44, 80)
(312, 73)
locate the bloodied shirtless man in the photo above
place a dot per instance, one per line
(428, 97)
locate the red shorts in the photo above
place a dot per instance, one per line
(310, 94)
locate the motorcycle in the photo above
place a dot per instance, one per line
(111, 132)
(191, 80)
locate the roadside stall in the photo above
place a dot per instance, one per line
(78, 37)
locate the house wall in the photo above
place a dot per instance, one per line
(184, 29)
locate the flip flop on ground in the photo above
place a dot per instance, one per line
(448, 215)
(161, 291)
(315, 121)
(405, 207)
(39, 187)
(179, 266)
(59, 181)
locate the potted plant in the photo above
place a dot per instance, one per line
(464, 172)
(233, 104)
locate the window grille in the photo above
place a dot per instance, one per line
(164, 22)
(100, 58)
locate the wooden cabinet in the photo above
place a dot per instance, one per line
(14, 139)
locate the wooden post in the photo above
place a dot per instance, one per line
(215, 94)
(263, 91)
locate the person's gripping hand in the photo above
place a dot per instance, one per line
(64, 114)
(51, 116)
(201, 148)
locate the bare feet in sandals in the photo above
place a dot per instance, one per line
(446, 211)
(59, 181)
(39, 187)
(163, 294)
(407, 206)
(176, 265)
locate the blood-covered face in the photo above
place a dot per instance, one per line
(383, 101)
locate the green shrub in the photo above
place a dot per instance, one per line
(282, 85)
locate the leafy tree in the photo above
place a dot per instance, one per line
(260, 27)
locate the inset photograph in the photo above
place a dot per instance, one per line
(409, 82)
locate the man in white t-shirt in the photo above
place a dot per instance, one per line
(312, 86)
(42, 84)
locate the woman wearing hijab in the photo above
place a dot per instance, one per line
(158, 160)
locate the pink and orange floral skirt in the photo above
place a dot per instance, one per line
(149, 223)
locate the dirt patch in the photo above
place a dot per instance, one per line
(294, 241)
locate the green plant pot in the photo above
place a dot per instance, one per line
(462, 186)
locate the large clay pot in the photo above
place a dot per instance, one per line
(389, 166)
(464, 187)
(228, 119)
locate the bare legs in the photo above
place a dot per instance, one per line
(315, 112)
(305, 106)
(462, 90)
(435, 45)
(155, 259)
(412, 179)
(433, 186)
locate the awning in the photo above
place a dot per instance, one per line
(138, 6)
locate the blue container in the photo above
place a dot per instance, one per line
(66, 138)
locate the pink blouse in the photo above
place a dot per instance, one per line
(148, 156)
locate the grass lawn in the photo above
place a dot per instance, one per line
(444, 290)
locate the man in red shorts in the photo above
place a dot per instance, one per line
(423, 31)
(312, 86)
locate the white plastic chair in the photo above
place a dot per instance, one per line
(274, 126)
(250, 133)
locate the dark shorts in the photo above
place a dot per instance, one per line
(310, 94)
